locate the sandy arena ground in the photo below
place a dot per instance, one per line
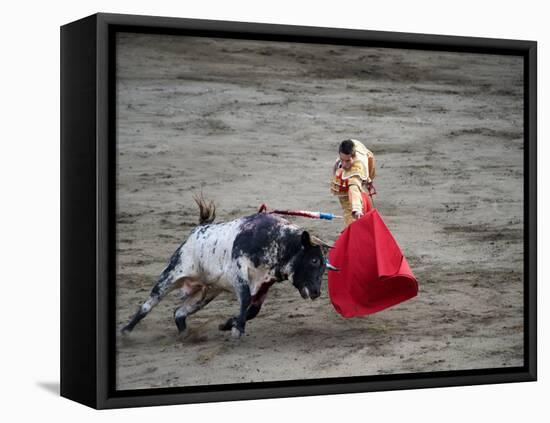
(252, 122)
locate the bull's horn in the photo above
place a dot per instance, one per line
(331, 267)
(317, 241)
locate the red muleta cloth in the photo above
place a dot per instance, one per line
(374, 274)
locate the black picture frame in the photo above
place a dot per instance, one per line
(87, 210)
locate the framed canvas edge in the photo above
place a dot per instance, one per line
(423, 41)
(430, 380)
(105, 398)
(78, 220)
(530, 207)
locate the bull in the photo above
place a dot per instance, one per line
(247, 256)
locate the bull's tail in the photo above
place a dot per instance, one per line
(207, 210)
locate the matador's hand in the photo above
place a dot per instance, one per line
(357, 215)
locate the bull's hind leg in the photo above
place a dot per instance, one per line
(141, 313)
(166, 284)
(197, 299)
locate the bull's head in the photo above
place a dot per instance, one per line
(309, 267)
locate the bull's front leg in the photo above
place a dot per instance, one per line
(243, 293)
(254, 308)
(251, 312)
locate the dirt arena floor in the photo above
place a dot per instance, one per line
(251, 122)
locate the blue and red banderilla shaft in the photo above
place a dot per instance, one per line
(302, 213)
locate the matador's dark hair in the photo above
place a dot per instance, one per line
(347, 147)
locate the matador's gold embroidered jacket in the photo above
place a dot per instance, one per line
(348, 184)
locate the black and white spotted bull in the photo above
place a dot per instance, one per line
(246, 255)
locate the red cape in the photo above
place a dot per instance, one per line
(374, 274)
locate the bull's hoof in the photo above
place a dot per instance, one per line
(236, 333)
(181, 325)
(126, 330)
(227, 325)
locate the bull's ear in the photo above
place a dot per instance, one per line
(306, 239)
